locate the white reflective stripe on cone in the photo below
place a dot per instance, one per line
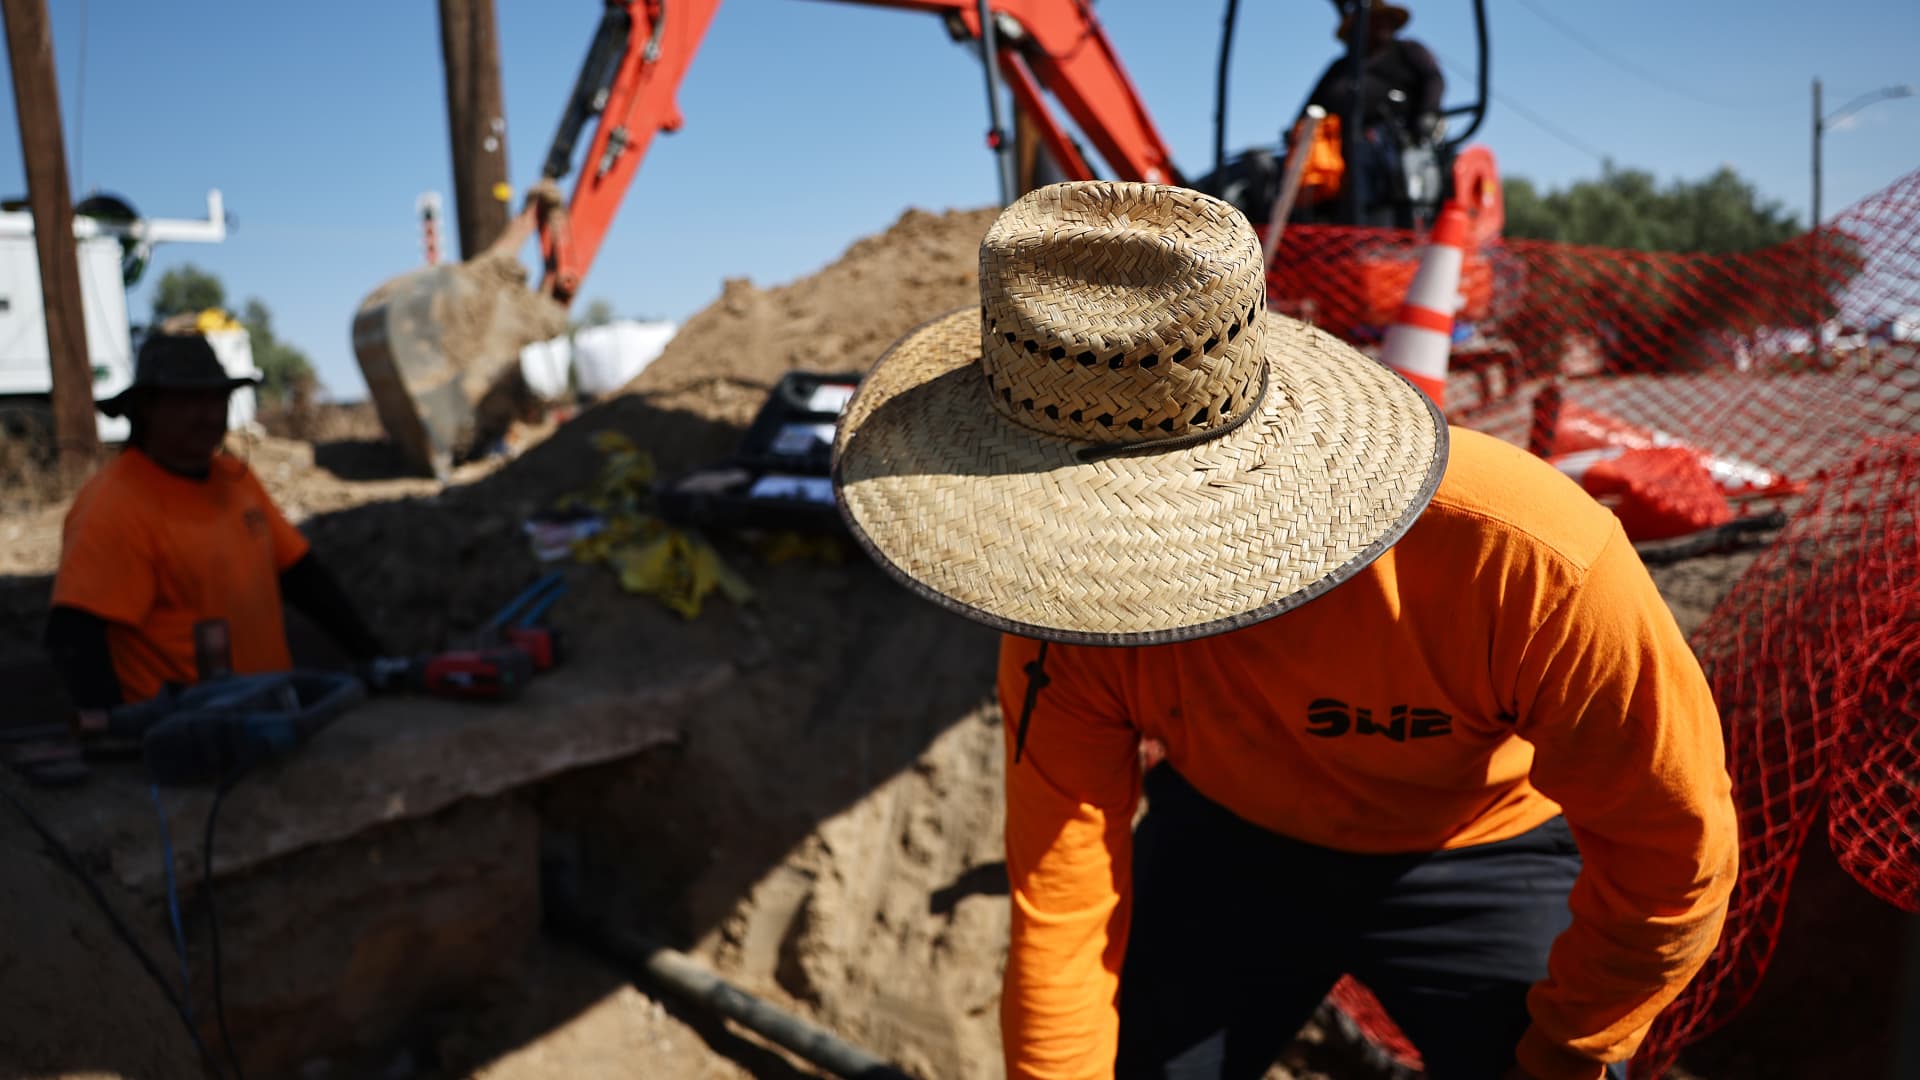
(1436, 284)
(1417, 350)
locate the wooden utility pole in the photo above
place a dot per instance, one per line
(36, 98)
(476, 122)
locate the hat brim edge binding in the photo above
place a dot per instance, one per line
(1422, 496)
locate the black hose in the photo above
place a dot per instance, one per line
(65, 857)
(1479, 106)
(996, 133)
(1350, 135)
(1220, 91)
(687, 978)
(604, 56)
(213, 925)
(810, 1041)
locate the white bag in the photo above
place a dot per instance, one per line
(608, 357)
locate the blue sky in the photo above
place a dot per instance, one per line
(810, 124)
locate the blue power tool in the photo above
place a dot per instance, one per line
(216, 730)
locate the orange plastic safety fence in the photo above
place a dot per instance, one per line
(1815, 662)
(1793, 374)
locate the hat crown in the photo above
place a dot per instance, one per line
(178, 360)
(1116, 313)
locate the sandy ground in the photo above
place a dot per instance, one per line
(829, 838)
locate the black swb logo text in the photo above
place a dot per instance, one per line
(1330, 719)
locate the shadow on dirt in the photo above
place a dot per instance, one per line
(361, 459)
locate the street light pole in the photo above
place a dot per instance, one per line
(1813, 232)
(1821, 120)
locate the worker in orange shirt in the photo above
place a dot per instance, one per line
(1425, 718)
(174, 561)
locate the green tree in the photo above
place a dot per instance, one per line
(287, 374)
(185, 290)
(1662, 278)
(1627, 209)
(598, 312)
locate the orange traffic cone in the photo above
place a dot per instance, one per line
(1421, 337)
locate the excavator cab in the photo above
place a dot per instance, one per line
(1368, 203)
(1356, 168)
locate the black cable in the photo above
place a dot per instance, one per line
(1482, 74)
(1220, 91)
(1351, 125)
(1626, 65)
(65, 857)
(1542, 122)
(213, 925)
(1037, 680)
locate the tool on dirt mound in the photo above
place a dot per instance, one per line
(518, 623)
(493, 674)
(217, 730)
(778, 479)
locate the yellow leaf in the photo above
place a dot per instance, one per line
(609, 441)
(788, 546)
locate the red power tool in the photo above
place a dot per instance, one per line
(509, 650)
(488, 674)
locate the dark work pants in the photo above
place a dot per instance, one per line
(1239, 933)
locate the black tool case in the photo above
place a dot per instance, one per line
(779, 477)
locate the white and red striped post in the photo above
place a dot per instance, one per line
(1420, 340)
(429, 207)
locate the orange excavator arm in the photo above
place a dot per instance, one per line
(640, 53)
(440, 346)
(643, 48)
(1060, 46)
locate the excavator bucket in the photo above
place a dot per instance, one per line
(440, 350)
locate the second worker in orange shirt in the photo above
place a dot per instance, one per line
(175, 562)
(1425, 718)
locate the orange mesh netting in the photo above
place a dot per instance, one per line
(1815, 653)
(1813, 658)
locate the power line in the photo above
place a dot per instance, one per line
(1645, 74)
(1539, 121)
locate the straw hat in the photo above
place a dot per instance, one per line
(1121, 447)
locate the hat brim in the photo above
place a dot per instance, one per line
(119, 404)
(1005, 525)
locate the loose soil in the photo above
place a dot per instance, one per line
(829, 834)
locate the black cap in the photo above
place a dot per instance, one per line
(175, 362)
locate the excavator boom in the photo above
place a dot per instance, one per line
(439, 347)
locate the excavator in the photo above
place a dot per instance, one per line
(439, 346)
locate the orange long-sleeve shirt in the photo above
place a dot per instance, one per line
(153, 553)
(1509, 659)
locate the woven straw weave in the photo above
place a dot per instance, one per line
(985, 505)
(1106, 318)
